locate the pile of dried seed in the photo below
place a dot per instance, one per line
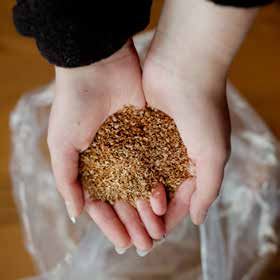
(131, 151)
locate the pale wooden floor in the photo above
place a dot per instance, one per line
(256, 72)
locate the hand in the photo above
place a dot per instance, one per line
(197, 102)
(184, 75)
(84, 98)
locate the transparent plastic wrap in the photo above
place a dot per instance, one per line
(236, 242)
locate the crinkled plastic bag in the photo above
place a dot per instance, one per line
(236, 242)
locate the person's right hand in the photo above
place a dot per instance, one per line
(84, 98)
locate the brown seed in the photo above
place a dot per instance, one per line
(131, 151)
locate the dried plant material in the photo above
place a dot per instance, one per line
(131, 151)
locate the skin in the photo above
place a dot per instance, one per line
(184, 75)
(84, 98)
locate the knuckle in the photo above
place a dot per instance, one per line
(109, 218)
(158, 234)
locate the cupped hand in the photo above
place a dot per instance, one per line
(84, 98)
(196, 99)
(184, 75)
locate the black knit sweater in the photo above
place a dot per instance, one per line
(71, 33)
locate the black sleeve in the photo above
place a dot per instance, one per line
(71, 33)
(243, 3)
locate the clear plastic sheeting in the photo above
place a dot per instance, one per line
(236, 242)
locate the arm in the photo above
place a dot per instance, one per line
(71, 35)
(185, 76)
(210, 33)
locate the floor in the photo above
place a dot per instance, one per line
(255, 72)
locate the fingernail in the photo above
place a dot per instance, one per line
(120, 251)
(201, 217)
(159, 241)
(71, 211)
(142, 253)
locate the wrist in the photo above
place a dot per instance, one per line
(186, 61)
(160, 81)
(124, 60)
(199, 36)
(127, 50)
(107, 78)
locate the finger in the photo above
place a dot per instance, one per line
(64, 160)
(134, 226)
(208, 183)
(158, 200)
(153, 223)
(107, 220)
(178, 207)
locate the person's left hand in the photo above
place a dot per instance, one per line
(197, 101)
